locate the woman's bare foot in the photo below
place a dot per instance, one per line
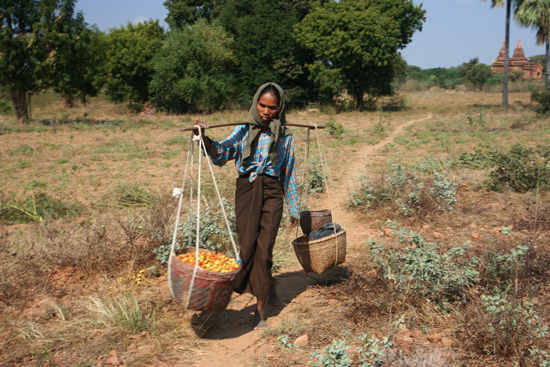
(259, 315)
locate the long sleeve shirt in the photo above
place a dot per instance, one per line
(259, 162)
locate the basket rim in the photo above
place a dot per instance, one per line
(334, 235)
(201, 269)
(315, 211)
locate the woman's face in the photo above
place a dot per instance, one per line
(268, 107)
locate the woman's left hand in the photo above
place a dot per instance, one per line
(294, 222)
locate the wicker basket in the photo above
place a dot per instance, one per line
(311, 220)
(211, 290)
(319, 255)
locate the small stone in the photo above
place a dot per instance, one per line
(404, 331)
(112, 359)
(26, 360)
(131, 347)
(446, 342)
(388, 232)
(496, 230)
(434, 338)
(475, 235)
(95, 334)
(302, 340)
(404, 339)
(426, 226)
(417, 334)
(437, 235)
(144, 334)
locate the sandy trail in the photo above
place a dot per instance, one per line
(231, 342)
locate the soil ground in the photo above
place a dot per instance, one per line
(227, 339)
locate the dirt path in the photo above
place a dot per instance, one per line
(227, 337)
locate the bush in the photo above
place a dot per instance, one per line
(423, 269)
(543, 100)
(5, 108)
(410, 189)
(521, 169)
(213, 232)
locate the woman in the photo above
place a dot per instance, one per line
(263, 151)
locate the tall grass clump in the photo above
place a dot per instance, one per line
(125, 313)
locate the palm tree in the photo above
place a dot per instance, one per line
(536, 14)
(508, 4)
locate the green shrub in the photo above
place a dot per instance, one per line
(5, 108)
(335, 128)
(213, 232)
(521, 169)
(423, 269)
(410, 189)
(315, 177)
(543, 100)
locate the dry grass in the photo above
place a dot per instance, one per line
(69, 292)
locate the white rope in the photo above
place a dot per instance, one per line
(178, 192)
(325, 175)
(304, 181)
(237, 255)
(197, 233)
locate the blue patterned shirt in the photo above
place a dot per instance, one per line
(259, 162)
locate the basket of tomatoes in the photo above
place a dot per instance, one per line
(214, 281)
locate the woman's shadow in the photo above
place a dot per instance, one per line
(232, 323)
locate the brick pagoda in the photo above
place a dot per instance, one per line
(533, 70)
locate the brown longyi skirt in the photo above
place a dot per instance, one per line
(258, 211)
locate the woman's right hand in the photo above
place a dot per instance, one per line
(203, 126)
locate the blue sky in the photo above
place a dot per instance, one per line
(455, 31)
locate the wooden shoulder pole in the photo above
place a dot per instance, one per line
(308, 126)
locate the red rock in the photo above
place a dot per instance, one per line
(496, 230)
(446, 342)
(404, 339)
(475, 235)
(302, 340)
(388, 232)
(417, 334)
(26, 360)
(434, 338)
(437, 235)
(112, 359)
(95, 334)
(131, 347)
(404, 331)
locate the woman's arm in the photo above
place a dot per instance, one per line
(288, 180)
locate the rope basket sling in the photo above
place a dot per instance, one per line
(195, 288)
(316, 256)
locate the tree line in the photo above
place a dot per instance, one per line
(213, 56)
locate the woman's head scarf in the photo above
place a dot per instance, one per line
(255, 125)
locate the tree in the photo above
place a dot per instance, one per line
(356, 43)
(536, 14)
(183, 13)
(508, 5)
(476, 73)
(191, 69)
(32, 36)
(266, 48)
(77, 60)
(128, 68)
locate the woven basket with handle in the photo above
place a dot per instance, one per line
(319, 255)
(211, 291)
